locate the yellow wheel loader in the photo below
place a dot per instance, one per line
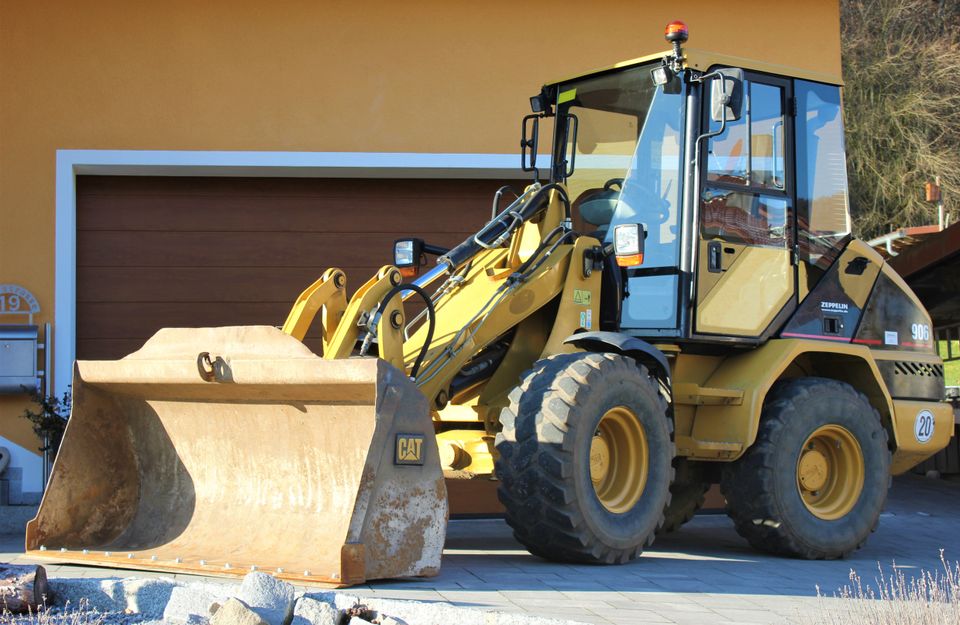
(681, 304)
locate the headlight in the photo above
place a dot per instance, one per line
(628, 242)
(403, 255)
(406, 256)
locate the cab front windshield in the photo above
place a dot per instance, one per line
(626, 153)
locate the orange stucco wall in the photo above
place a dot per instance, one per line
(419, 76)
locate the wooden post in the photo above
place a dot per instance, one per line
(23, 588)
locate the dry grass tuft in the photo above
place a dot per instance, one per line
(929, 598)
(80, 615)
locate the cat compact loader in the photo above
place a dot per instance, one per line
(674, 301)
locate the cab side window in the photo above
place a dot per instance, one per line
(744, 199)
(823, 214)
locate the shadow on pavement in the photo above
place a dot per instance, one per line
(922, 516)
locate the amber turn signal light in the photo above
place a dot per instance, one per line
(634, 260)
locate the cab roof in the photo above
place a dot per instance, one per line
(703, 60)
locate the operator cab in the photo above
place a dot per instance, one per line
(734, 174)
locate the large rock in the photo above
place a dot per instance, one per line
(91, 593)
(236, 612)
(268, 596)
(147, 597)
(189, 606)
(311, 612)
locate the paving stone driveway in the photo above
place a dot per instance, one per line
(705, 573)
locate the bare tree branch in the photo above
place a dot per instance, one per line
(901, 66)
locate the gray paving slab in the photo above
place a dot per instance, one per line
(705, 573)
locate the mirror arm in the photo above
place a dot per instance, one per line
(569, 165)
(723, 123)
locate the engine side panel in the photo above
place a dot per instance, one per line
(833, 309)
(894, 318)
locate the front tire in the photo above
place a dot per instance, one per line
(585, 458)
(814, 482)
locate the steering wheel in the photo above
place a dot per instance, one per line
(611, 182)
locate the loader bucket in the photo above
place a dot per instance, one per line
(314, 470)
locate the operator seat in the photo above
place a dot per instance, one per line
(598, 210)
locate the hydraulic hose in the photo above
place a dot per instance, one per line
(431, 319)
(547, 242)
(501, 226)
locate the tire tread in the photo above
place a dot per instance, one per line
(535, 479)
(748, 483)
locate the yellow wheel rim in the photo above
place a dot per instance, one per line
(619, 460)
(830, 472)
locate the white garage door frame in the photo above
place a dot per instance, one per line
(73, 163)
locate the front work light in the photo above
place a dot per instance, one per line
(666, 78)
(407, 254)
(628, 244)
(540, 103)
(537, 104)
(661, 75)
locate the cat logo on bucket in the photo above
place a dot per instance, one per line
(409, 449)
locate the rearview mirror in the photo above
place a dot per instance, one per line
(530, 131)
(726, 95)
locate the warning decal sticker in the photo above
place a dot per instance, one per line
(582, 297)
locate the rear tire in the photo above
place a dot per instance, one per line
(814, 482)
(688, 494)
(585, 458)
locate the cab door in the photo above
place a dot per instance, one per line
(746, 274)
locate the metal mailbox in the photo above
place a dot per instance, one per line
(18, 358)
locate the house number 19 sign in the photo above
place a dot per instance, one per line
(16, 300)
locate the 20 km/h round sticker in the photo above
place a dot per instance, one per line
(923, 426)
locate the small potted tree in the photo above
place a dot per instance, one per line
(49, 419)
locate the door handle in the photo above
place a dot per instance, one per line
(714, 257)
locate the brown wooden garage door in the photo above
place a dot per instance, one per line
(187, 252)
